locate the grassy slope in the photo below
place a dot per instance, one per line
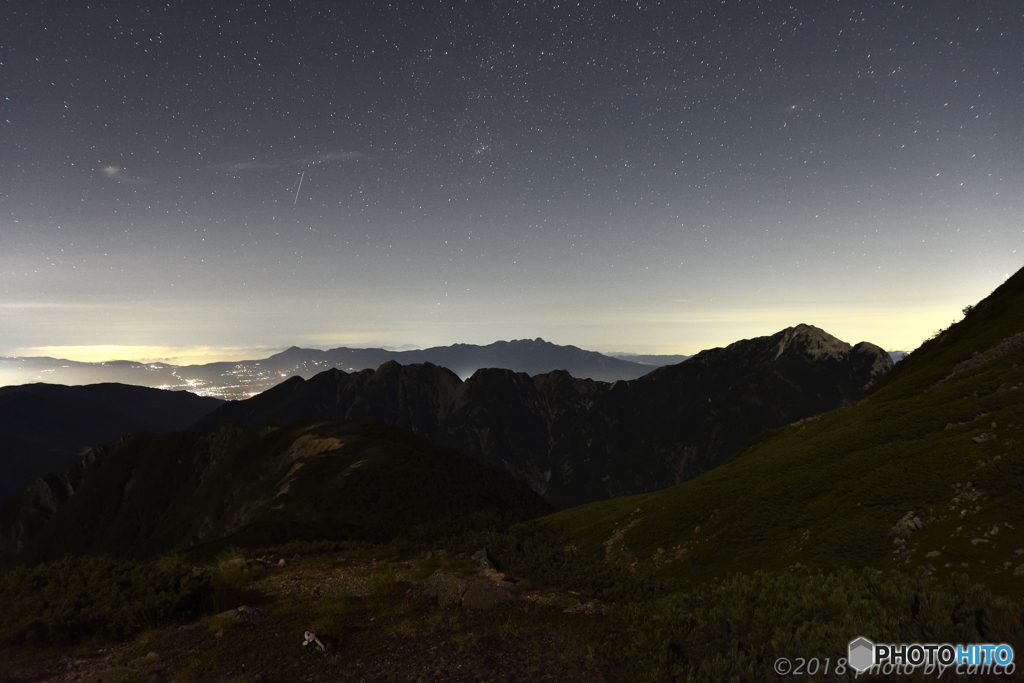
(333, 480)
(826, 491)
(380, 481)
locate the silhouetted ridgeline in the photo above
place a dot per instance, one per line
(44, 427)
(241, 379)
(575, 440)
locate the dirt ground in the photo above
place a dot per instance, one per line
(367, 638)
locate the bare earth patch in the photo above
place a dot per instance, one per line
(373, 639)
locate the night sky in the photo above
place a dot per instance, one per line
(656, 177)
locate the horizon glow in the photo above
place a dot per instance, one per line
(647, 178)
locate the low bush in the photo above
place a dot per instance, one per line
(736, 629)
(383, 583)
(79, 598)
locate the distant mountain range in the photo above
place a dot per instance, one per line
(45, 427)
(647, 359)
(243, 379)
(249, 481)
(576, 440)
(530, 356)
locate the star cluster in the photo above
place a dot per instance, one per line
(648, 176)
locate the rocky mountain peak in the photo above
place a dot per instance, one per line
(530, 343)
(810, 341)
(872, 361)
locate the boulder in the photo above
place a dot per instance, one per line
(907, 525)
(443, 586)
(472, 593)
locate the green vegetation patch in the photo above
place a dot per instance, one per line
(83, 598)
(642, 628)
(547, 558)
(736, 629)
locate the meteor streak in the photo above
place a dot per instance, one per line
(299, 189)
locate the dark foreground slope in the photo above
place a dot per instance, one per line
(924, 474)
(575, 441)
(44, 427)
(150, 494)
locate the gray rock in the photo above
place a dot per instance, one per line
(443, 586)
(907, 525)
(486, 566)
(473, 593)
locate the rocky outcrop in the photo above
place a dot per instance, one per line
(245, 615)
(25, 515)
(979, 358)
(907, 525)
(472, 592)
(575, 441)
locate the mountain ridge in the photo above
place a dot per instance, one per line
(149, 494)
(44, 427)
(242, 379)
(576, 440)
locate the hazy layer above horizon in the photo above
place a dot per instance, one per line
(653, 178)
